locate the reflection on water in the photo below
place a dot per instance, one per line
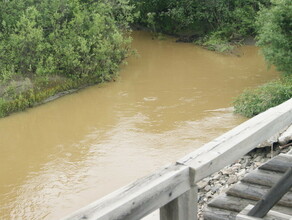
(169, 100)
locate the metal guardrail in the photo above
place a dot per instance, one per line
(173, 189)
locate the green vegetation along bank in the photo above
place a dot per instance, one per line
(219, 24)
(50, 46)
(274, 37)
(210, 23)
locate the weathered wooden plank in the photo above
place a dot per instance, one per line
(139, 198)
(182, 208)
(211, 213)
(237, 204)
(263, 177)
(273, 196)
(255, 192)
(272, 215)
(280, 163)
(245, 217)
(232, 145)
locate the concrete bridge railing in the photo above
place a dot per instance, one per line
(173, 189)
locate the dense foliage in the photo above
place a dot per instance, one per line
(275, 39)
(255, 101)
(275, 34)
(51, 46)
(84, 41)
(216, 19)
(72, 38)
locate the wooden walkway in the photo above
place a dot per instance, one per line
(251, 189)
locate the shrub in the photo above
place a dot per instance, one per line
(275, 40)
(231, 18)
(275, 34)
(72, 38)
(254, 101)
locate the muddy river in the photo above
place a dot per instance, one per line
(168, 101)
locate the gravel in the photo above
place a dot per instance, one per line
(220, 181)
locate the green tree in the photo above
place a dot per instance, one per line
(275, 39)
(275, 34)
(72, 38)
(231, 19)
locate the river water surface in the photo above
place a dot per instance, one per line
(168, 101)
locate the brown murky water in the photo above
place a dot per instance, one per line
(168, 101)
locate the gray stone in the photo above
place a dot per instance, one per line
(228, 171)
(208, 194)
(223, 181)
(217, 176)
(258, 158)
(232, 179)
(202, 184)
(241, 173)
(247, 157)
(207, 179)
(257, 164)
(207, 188)
(214, 189)
(236, 166)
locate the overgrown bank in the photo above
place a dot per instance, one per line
(274, 26)
(210, 23)
(219, 24)
(50, 46)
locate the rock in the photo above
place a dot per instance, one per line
(236, 167)
(207, 188)
(241, 173)
(217, 176)
(232, 179)
(286, 136)
(222, 181)
(202, 184)
(214, 189)
(228, 171)
(208, 194)
(207, 179)
(200, 199)
(257, 164)
(258, 158)
(246, 157)
(245, 163)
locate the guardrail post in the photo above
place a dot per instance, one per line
(183, 207)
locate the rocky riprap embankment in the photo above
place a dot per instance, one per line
(220, 181)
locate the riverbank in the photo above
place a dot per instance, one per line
(43, 55)
(19, 93)
(222, 180)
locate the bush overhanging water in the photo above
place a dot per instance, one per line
(74, 39)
